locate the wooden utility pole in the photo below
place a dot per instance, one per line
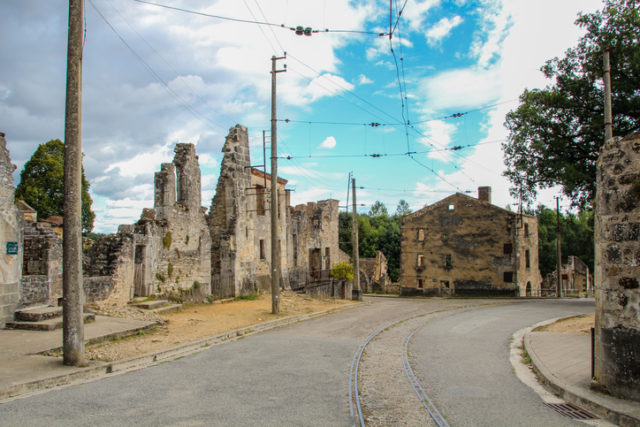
(275, 258)
(608, 116)
(356, 255)
(72, 321)
(558, 251)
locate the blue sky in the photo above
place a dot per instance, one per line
(153, 77)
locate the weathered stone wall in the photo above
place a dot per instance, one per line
(617, 267)
(528, 276)
(465, 246)
(232, 237)
(42, 266)
(10, 231)
(108, 270)
(313, 242)
(260, 220)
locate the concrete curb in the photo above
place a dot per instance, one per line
(97, 370)
(584, 398)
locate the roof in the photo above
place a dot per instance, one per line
(258, 172)
(24, 207)
(430, 207)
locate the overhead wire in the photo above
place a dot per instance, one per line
(254, 21)
(153, 72)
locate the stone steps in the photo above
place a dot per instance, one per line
(48, 324)
(37, 314)
(157, 305)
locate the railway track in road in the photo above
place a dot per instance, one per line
(355, 404)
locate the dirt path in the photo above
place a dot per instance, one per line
(200, 321)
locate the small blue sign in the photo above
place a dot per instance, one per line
(12, 248)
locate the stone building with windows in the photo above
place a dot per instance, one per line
(467, 246)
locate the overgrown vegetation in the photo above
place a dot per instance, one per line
(377, 231)
(248, 297)
(166, 240)
(343, 270)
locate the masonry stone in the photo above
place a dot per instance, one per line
(466, 246)
(617, 268)
(10, 238)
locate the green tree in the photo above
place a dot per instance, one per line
(403, 208)
(556, 133)
(576, 235)
(42, 184)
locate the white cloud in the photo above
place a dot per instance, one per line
(442, 29)
(328, 143)
(416, 12)
(364, 80)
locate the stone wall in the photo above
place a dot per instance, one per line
(10, 232)
(108, 270)
(617, 267)
(41, 281)
(465, 246)
(313, 242)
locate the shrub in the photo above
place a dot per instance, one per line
(344, 270)
(160, 277)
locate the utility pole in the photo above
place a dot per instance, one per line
(356, 293)
(608, 116)
(558, 251)
(275, 258)
(72, 321)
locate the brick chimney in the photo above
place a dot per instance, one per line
(484, 194)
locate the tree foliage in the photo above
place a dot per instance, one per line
(42, 184)
(576, 238)
(377, 231)
(556, 133)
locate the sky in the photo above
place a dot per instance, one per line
(416, 117)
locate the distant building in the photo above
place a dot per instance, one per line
(574, 278)
(467, 246)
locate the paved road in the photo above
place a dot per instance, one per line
(296, 375)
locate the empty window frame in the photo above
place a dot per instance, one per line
(508, 276)
(420, 284)
(526, 230)
(262, 252)
(448, 262)
(421, 235)
(527, 259)
(420, 261)
(260, 194)
(507, 248)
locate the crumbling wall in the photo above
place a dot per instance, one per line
(108, 270)
(617, 267)
(167, 250)
(313, 242)
(232, 236)
(10, 238)
(41, 281)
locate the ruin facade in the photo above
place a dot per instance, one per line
(575, 278)
(10, 238)
(617, 268)
(240, 226)
(467, 246)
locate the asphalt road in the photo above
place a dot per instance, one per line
(298, 375)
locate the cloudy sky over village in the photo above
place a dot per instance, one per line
(154, 76)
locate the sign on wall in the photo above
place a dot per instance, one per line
(12, 248)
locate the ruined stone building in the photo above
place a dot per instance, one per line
(467, 246)
(373, 273)
(175, 246)
(617, 268)
(574, 278)
(167, 250)
(240, 226)
(10, 238)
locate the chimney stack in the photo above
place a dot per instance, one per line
(484, 194)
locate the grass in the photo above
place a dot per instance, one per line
(248, 297)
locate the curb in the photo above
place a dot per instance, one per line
(97, 370)
(573, 394)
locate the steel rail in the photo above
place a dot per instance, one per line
(417, 387)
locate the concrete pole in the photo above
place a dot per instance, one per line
(608, 116)
(72, 321)
(356, 294)
(275, 255)
(558, 251)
